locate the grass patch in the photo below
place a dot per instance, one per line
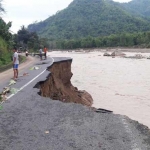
(10, 65)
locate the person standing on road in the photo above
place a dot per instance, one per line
(40, 51)
(45, 52)
(27, 53)
(15, 63)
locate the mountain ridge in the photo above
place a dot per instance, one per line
(94, 18)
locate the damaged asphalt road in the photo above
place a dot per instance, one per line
(31, 122)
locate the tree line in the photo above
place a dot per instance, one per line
(140, 39)
(25, 40)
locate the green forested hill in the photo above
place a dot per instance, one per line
(94, 18)
(138, 7)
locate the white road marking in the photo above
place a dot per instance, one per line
(29, 82)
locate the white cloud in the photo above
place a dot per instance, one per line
(26, 12)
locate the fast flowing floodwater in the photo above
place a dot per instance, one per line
(118, 84)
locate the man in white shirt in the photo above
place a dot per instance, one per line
(41, 51)
(27, 53)
(15, 63)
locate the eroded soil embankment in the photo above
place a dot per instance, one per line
(58, 85)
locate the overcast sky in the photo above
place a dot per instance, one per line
(25, 12)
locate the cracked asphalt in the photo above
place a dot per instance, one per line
(31, 122)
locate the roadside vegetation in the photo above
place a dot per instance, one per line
(5, 39)
(22, 40)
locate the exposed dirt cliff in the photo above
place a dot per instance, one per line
(58, 85)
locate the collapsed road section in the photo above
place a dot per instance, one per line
(32, 120)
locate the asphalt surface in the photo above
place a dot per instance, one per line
(31, 122)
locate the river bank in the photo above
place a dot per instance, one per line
(111, 49)
(135, 50)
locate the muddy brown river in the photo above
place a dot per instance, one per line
(118, 84)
